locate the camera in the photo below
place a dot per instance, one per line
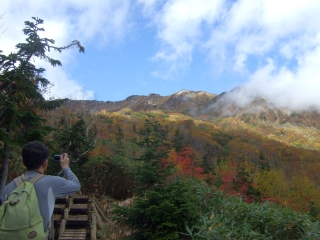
(56, 157)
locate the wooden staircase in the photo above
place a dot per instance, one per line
(76, 217)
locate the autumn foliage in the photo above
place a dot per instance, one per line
(184, 164)
(236, 161)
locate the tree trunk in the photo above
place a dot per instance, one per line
(5, 163)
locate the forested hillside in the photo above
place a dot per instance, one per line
(274, 169)
(223, 153)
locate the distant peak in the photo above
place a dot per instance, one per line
(154, 94)
(131, 97)
(183, 91)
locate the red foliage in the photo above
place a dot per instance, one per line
(233, 184)
(185, 165)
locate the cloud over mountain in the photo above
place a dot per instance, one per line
(275, 45)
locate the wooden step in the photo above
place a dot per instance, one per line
(78, 208)
(71, 234)
(62, 199)
(59, 208)
(78, 198)
(77, 220)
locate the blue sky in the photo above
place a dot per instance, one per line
(138, 47)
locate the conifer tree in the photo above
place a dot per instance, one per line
(178, 140)
(118, 146)
(21, 91)
(161, 208)
(74, 141)
(264, 164)
(163, 213)
(208, 160)
(152, 141)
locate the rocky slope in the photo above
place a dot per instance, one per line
(299, 128)
(188, 102)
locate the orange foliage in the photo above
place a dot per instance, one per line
(99, 151)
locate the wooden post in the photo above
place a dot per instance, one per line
(70, 201)
(93, 228)
(62, 227)
(100, 211)
(66, 213)
(99, 222)
(89, 204)
(52, 230)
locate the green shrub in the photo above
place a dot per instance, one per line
(230, 218)
(162, 213)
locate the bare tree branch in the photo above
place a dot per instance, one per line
(1, 25)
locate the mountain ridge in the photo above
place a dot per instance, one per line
(204, 105)
(185, 101)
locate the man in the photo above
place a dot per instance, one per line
(35, 158)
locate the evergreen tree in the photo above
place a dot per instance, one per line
(74, 141)
(208, 164)
(161, 208)
(163, 213)
(152, 142)
(178, 140)
(264, 164)
(118, 146)
(21, 91)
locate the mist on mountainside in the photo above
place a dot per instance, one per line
(281, 88)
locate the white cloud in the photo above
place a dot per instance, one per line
(179, 26)
(66, 20)
(149, 7)
(274, 30)
(259, 27)
(65, 87)
(286, 88)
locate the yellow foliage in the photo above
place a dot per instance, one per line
(172, 156)
(272, 184)
(303, 193)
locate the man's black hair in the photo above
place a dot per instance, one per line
(34, 154)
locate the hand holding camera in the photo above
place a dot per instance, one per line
(63, 159)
